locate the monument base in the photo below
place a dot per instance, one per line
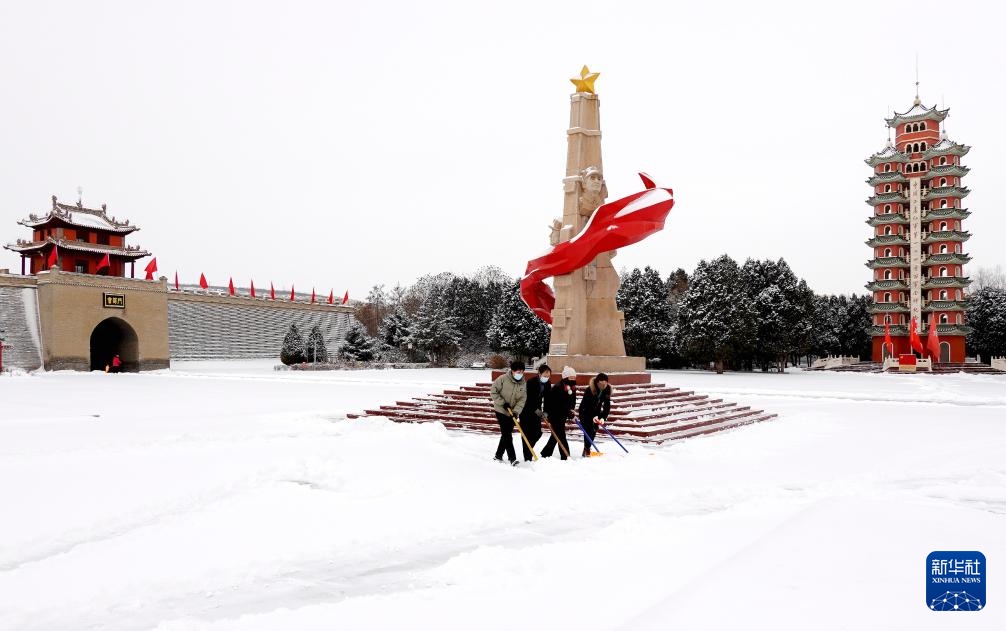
(597, 363)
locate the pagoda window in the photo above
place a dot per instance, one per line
(957, 248)
(908, 129)
(923, 146)
(887, 275)
(943, 203)
(943, 226)
(943, 249)
(887, 230)
(887, 168)
(887, 251)
(943, 181)
(944, 319)
(943, 272)
(922, 126)
(958, 320)
(887, 319)
(943, 160)
(887, 208)
(943, 294)
(887, 188)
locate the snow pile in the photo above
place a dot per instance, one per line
(226, 496)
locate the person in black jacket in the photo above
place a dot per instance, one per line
(560, 401)
(594, 408)
(531, 415)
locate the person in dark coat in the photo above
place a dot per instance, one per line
(508, 394)
(594, 408)
(531, 415)
(560, 401)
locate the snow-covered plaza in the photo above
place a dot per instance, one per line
(232, 496)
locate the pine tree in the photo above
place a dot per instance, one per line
(395, 328)
(434, 333)
(315, 349)
(357, 346)
(293, 347)
(643, 298)
(515, 328)
(986, 315)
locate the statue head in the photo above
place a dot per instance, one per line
(592, 180)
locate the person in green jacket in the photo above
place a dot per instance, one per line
(508, 393)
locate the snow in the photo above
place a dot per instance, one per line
(228, 495)
(29, 300)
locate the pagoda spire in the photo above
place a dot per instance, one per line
(917, 101)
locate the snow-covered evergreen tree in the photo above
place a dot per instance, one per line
(293, 347)
(434, 333)
(516, 329)
(315, 348)
(357, 346)
(395, 328)
(986, 315)
(643, 298)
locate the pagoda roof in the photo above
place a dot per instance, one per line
(77, 215)
(894, 283)
(888, 307)
(947, 235)
(958, 170)
(889, 153)
(946, 147)
(953, 329)
(893, 197)
(946, 191)
(885, 178)
(896, 330)
(888, 239)
(949, 257)
(938, 282)
(887, 261)
(884, 219)
(129, 252)
(945, 305)
(919, 112)
(946, 213)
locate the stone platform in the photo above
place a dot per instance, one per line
(582, 379)
(642, 412)
(597, 363)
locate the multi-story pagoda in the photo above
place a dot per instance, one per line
(83, 237)
(918, 258)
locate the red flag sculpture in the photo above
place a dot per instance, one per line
(914, 340)
(272, 292)
(253, 289)
(291, 293)
(331, 296)
(176, 281)
(51, 261)
(888, 343)
(345, 298)
(612, 226)
(933, 339)
(312, 295)
(202, 281)
(105, 263)
(151, 268)
(230, 286)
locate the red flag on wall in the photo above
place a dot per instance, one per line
(151, 268)
(51, 262)
(105, 263)
(292, 297)
(345, 298)
(331, 296)
(272, 291)
(253, 289)
(914, 340)
(312, 295)
(202, 281)
(933, 339)
(176, 281)
(230, 286)
(888, 343)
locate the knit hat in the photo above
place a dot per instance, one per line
(601, 377)
(568, 372)
(516, 365)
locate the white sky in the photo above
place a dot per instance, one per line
(345, 144)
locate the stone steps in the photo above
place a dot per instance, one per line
(20, 327)
(647, 413)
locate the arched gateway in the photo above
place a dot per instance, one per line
(114, 336)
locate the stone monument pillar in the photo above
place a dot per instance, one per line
(586, 323)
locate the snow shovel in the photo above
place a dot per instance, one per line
(526, 441)
(587, 436)
(604, 427)
(562, 447)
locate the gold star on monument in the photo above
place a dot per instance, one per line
(586, 81)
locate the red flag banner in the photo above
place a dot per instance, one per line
(202, 281)
(331, 296)
(312, 295)
(933, 339)
(888, 343)
(230, 286)
(612, 226)
(292, 297)
(272, 291)
(151, 268)
(105, 263)
(51, 262)
(914, 340)
(345, 298)
(176, 281)
(253, 289)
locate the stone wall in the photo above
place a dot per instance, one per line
(19, 321)
(208, 326)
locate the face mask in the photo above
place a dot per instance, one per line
(518, 376)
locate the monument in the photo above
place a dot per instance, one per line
(586, 323)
